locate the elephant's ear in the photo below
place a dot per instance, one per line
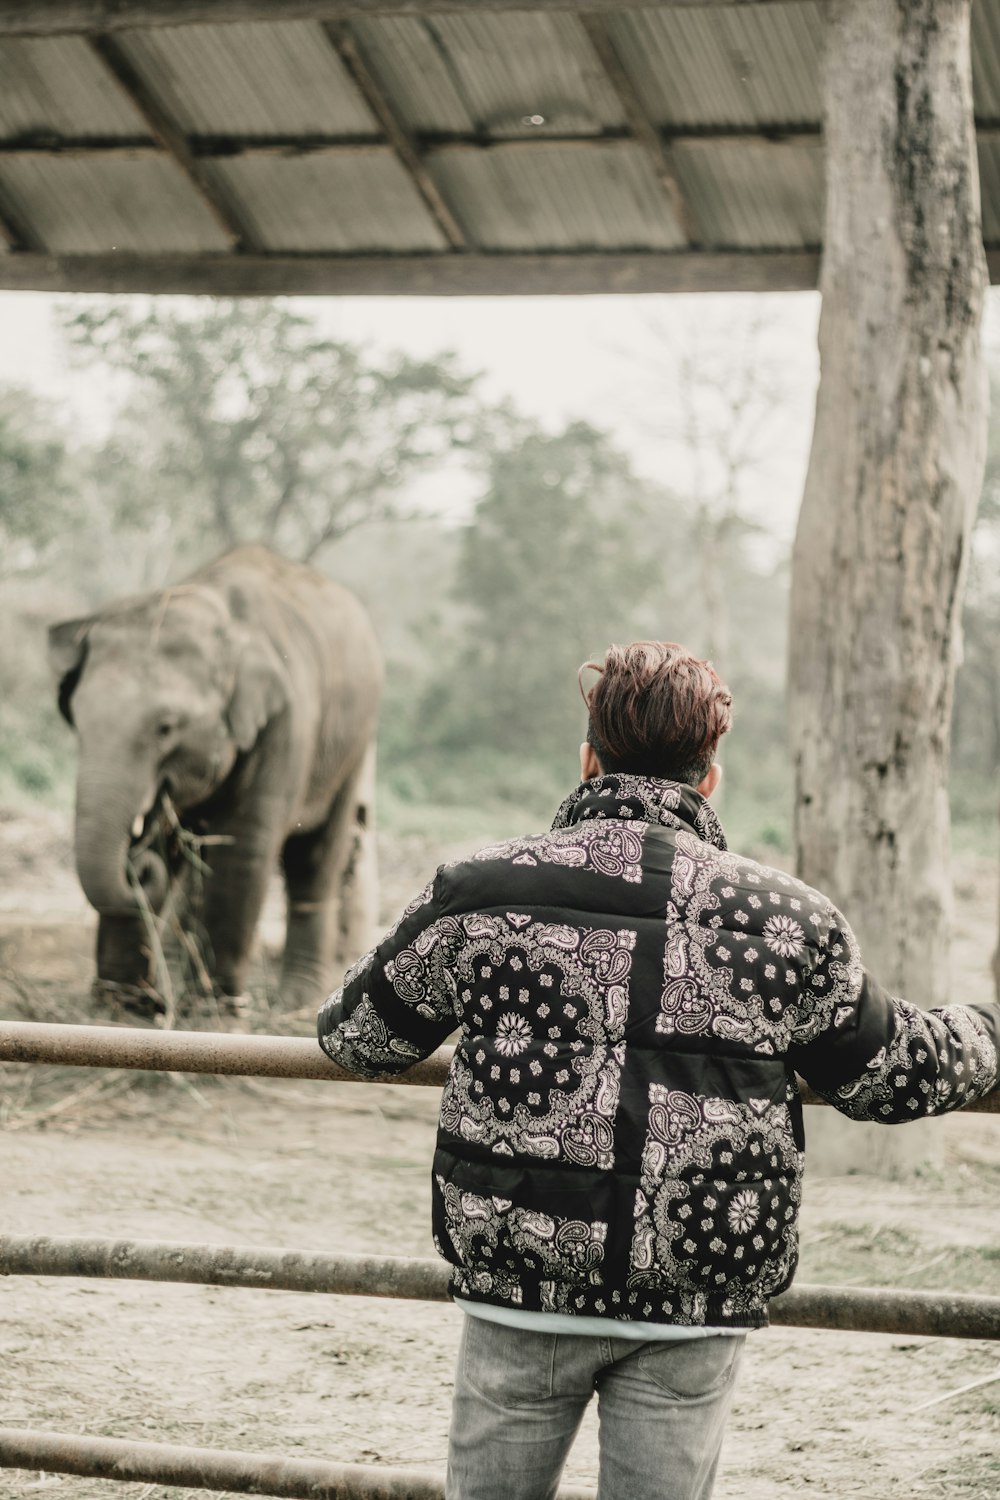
(260, 693)
(67, 654)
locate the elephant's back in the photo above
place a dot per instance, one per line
(294, 604)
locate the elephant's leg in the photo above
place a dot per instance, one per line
(127, 967)
(234, 893)
(318, 865)
(357, 908)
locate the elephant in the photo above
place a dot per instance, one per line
(242, 703)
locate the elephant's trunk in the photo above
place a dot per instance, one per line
(105, 813)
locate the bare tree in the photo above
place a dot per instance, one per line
(895, 471)
(252, 425)
(716, 400)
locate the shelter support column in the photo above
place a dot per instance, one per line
(890, 496)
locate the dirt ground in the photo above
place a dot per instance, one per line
(345, 1168)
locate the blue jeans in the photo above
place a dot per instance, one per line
(520, 1398)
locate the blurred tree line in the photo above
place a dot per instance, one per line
(494, 554)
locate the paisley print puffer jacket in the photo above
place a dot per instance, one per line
(620, 1132)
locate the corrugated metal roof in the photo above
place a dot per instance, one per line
(721, 82)
(415, 74)
(251, 80)
(557, 198)
(508, 68)
(491, 74)
(128, 203)
(725, 66)
(744, 199)
(58, 86)
(346, 200)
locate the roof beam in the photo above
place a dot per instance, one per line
(167, 134)
(53, 17)
(399, 138)
(224, 147)
(442, 275)
(471, 275)
(642, 127)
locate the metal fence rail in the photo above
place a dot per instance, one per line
(223, 1053)
(189, 1052)
(852, 1309)
(219, 1469)
(855, 1309)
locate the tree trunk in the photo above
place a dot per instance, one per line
(894, 476)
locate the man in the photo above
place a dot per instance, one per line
(618, 1165)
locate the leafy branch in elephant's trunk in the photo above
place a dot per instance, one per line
(162, 984)
(165, 835)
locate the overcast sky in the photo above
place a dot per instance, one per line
(612, 360)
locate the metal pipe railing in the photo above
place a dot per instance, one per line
(854, 1309)
(225, 1053)
(189, 1052)
(225, 1265)
(219, 1469)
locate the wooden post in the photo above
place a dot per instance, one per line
(893, 480)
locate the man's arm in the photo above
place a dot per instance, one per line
(396, 1004)
(875, 1057)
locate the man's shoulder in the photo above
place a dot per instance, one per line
(744, 882)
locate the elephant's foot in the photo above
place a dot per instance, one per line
(301, 995)
(235, 1012)
(130, 1003)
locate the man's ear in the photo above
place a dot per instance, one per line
(710, 781)
(590, 766)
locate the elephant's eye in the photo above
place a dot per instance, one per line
(165, 729)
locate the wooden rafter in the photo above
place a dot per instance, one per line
(168, 135)
(52, 17)
(444, 274)
(396, 133)
(16, 234)
(660, 155)
(221, 147)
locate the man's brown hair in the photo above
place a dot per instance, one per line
(656, 710)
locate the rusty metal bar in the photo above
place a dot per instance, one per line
(225, 1265)
(877, 1309)
(219, 1469)
(854, 1309)
(189, 1052)
(223, 1053)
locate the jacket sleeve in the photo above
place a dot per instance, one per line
(396, 1005)
(878, 1058)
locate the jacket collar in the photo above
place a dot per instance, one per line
(643, 799)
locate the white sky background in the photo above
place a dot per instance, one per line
(610, 360)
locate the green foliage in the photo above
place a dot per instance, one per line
(551, 569)
(36, 750)
(247, 424)
(35, 480)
